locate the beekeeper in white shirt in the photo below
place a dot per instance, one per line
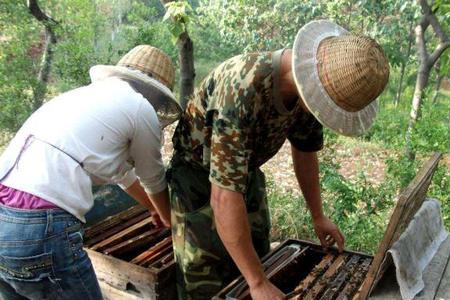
(106, 132)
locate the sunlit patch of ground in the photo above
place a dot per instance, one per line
(354, 157)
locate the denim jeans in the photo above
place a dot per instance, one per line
(42, 256)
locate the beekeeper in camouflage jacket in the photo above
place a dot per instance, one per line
(236, 121)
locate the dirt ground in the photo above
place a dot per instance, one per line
(366, 158)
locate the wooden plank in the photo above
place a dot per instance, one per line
(121, 280)
(169, 258)
(443, 291)
(108, 233)
(152, 251)
(434, 273)
(112, 293)
(387, 288)
(355, 280)
(163, 253)
(141, 240)
(273, 265)
(319, 286)
(283, 260)
(339, 281)
(119, 273)
(124, 235)
(113, 221)
(407, 205)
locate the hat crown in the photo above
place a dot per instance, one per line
(151, 61)
(353, 70)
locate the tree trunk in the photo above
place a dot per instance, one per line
(439, 79)
(47, 56)
(96, 27)
(44, 70)
(403, 68)
(421, 82)
(400, 85)
(187, 70)
(427, 61)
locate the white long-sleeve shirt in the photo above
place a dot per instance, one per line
(106, 133)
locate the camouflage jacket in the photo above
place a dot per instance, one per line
(236, 121)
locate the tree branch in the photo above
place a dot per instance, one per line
(438, 52)
(36, 11)
(438, 29)
(426, 9)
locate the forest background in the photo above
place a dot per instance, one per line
(47, 47)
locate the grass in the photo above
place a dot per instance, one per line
(359, 205)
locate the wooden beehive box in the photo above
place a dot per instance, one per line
(132, 259)
(302, 270)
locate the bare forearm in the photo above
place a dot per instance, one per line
(161, 201)
(137, 192)
(306, 166)
(234, 230)
(158, 202)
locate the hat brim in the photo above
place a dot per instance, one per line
(313, 93)
(162, 98)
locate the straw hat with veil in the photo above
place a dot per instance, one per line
(339, 76)
(150, 72)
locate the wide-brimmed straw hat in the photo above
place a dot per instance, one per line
(152, 73)
(339, 76)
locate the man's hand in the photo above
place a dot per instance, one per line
(156, 220)
(266, 291)
(328, 233)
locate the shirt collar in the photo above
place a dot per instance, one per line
(276, 65)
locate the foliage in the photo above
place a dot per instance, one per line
(72, 62)
(257, 25)
(358, 207)
(440, 189)
(17, 62)
(177, 16)
(144, 25)
(432, 132)
(290, 217)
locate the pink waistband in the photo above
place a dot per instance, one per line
(19, 199)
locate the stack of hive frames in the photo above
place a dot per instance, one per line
(303, 270)
(130, 240)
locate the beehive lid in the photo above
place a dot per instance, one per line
(408, 203)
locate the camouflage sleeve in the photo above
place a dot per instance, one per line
(229, 154)
(306, 134)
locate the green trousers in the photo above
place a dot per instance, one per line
(203, 265)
